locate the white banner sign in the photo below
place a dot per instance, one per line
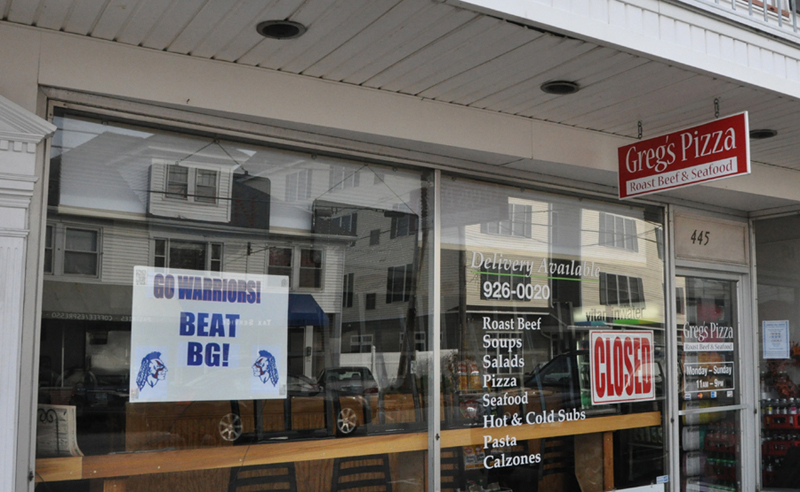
(198, 335)
(622, 366)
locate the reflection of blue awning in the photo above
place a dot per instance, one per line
(304, 311)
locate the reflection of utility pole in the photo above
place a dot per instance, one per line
(408, 381)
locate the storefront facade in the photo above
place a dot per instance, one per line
(224, 275)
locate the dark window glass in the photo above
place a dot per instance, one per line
(280, 262)
(347, 290)
(187, 255)
(177, 182)
(310, 268)
(160, 256)
(205, 190)
(215, 262)
(80, 252)
(621, 290)
(48, 250)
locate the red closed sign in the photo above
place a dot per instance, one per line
(621, 364)
(715, 150)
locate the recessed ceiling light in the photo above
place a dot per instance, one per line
(560, 87)
(762, 133)
(280, 29)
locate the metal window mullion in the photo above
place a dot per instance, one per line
(672, 403)
(434, 396)
(755, 357)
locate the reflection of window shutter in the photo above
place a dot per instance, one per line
(407, 293)
(631, 242)
(528, 217)
(613, 293)
(603, 287)
(389, 285)
(601, 229)
(639, 290)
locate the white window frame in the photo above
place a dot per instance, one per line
(604, 300)
(295, 269)
(623, 233)
(59, 249)
(209, 245)
(342, 177)
(359, 341)
(300, 189)
(192, 176)
(420, 341)
(520, 216)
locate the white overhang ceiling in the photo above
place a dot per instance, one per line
(437, 51)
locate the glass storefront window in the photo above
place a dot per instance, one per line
(777, 244)
(545, 300)
(227, 312)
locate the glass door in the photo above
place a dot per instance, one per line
(709, 383)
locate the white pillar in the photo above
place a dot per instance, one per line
(20, 132)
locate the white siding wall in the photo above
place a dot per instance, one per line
(123, 248)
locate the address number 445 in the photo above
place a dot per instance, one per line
(700, 238)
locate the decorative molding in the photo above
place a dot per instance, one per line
(19, 125)
(12, 261)
(19, 233)
(20, 133)
(19, 177)
(15, 200)
(15, 141)
(17, 184)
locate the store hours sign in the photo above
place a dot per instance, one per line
(715, 150)
(199, 335)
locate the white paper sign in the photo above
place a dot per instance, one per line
(621, 366)
(199, 335)
(776, 339)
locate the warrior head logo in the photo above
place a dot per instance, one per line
(265, 368)
(151, 371)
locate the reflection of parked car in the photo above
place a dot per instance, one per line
(346, 388)
(565, 379)
(348, 380)
(302, 385)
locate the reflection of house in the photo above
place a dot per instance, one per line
(549, 254)
(184, 202)
(560, 266)
(178, 202)
(380, 269)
